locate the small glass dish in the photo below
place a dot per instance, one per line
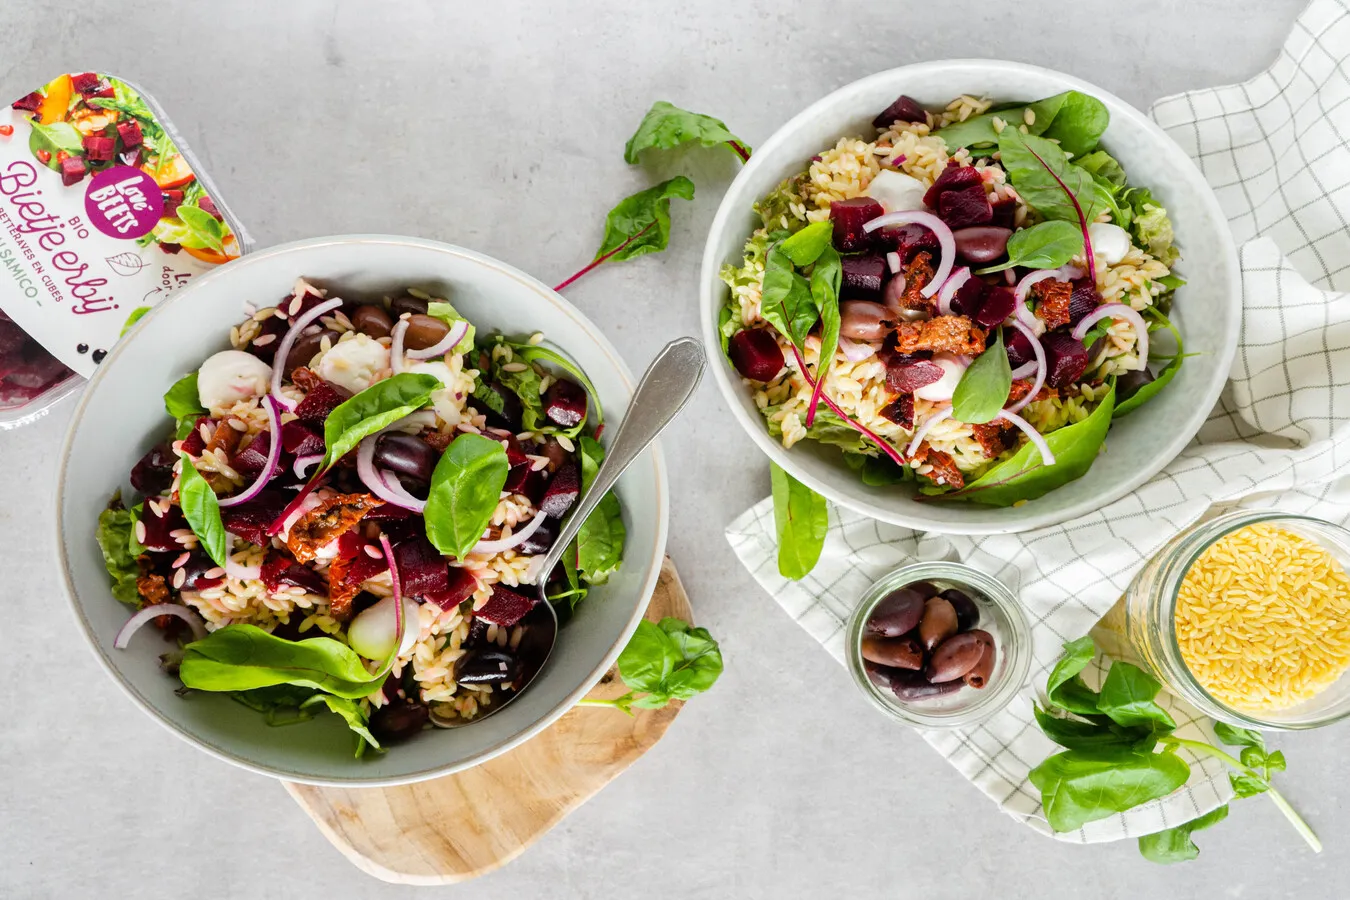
(1000, 614)
(1150, 619)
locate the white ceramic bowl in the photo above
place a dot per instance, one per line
(1207, 309)
(121, 415)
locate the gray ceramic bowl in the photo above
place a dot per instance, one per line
(121, 415)
(1208, 309)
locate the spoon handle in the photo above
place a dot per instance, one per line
(665, 388)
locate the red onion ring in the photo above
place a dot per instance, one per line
(1118, 311)
(444, 345)
(946, 243)
(273, 457)
(1070, 272)
(1032, 435)
(856, 351)
(949, 289)
(398, 598)
(1024, 370)
(374, 479)
(304, 462)
(1039, 362)
(514, 540)
(396, 346)
(284, 348)
(154, 611)
(1020, 310)
(939, 416)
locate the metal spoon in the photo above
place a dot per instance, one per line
(665, 388)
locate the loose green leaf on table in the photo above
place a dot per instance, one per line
(116, 535)
(1047, 245)
(801, 518)
(465, 487)
(1065, 686)
(984, 385)
(666, 126)
(640, 224)
(1175, 845)
(202, 511)
(374, 409)
(1073, 734)
(244, 657)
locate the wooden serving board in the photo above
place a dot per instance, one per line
(461, 826)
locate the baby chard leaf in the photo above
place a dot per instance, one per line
(786, 301)
(826, 275)
(806, 246)
(640, 224)
(666, 126)
(801, 518)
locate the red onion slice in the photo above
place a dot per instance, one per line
(949, 289)
(514, 540)
(1118, 311)
(1039, 363)
(1024, 286)
(304, 462)
(153, 612)
(1032, 435)
(284, 349)
(396, 346)
(269, 468)
(1070, 272)
(856, 351)
(398, 600)
(946, 243)
(893, 262)
(444, 345)
(376, 481)
(1024, 370)
(938, 416)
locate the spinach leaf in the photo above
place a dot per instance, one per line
(352, 714)
(1079, 124)
(801, 518)
(666, 126)
(1127, 697)
(202, 512)
(877, 471)
(1078, 735)
(53, 139)
(465, 488)
(600, 540)
(1022, 477)
(116, 535)
(244, 657)
(574, 592)
(1175, 844)
(1096, 333)
(488, 397)
(181, 400)
(641, 223)
(984, 385)
(805, 247)
(532, 353)
(667, 661)
(439, 309)
(1081, 786)
(1046, 180)
(206, 228)
(786, 301)
(377, 407)
(1075, 119)
(1047, 245)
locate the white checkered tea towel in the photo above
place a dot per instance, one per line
(1277, 152)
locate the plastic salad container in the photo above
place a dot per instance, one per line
(103, 212)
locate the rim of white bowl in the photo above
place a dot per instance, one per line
(981, 520)
(547, 294)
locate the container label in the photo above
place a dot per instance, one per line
(101, 216)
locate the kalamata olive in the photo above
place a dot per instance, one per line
(909, 686)
(489, 665)
(938, 622)
(306, 347)
(981, 243)
(967, 613)
(556, 453)
(897, 613)
(1128, 384)
(408, 304)
(978, 677)
(509, 417)
(862, 320)
(373, 320)
(424, 331)
(194, 573)
(406, 455)
(881, 676)
(398, 721)
(956, 656)
(901, 652)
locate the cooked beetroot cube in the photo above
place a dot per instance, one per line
(194, 443)
(565, 403)
(863, 277)
(208, 206)
(953, 178)
(541, 541)
(28, 103)
(249, 520)
(85, 82)
(849, 217)
(157, 537)
(516, 479)
(905, 376)
(900, 411)
(173, 200)
(998, 305)
(460, 586)
(130, 133)
(249, 462)
(1083, 300)
(536, 486)
(360, 567)
(421, 568)
(965, 207)
(755, 354)
(969, 297)
(154, 472)
(73, 170)
(904, 109)
(1004, 214)
(299, 439)
(907, 240)
(505, 607)
(321, 400)
(1065, 358)
(562, 491)
(12, 337)
(1020, 351)
(99, 149)
(104, 89)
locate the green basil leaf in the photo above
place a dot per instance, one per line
(116, 535)
(1045, 179)
(666, 126)
(465, 488)
(1047, 245)
(244, 657)
(1022, 477)
(698, 659)
(1074, 734)
(1275, 761)
(1079, 124)
(439, 309)
(648, 658)
(1081, 786)
(1253, 757)
(805, 247)
(801, 518)
(1234, 736)
(202, 511)
(352, 714)
(786, 301)
(1175, 845)
(984, 385)
(1245, 785)
(207, 229)
(1127, 697)
(640, 224)
(377, 407)
(181, 400)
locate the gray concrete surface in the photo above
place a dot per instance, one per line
(501, 127)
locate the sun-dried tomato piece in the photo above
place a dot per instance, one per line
(328, 521)
(994, 437)
(949, 334)
(1053, 299)
(917, 275)
(943, 468)
(151, 586)
(224, 438)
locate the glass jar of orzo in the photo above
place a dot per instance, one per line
(1247, 617)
